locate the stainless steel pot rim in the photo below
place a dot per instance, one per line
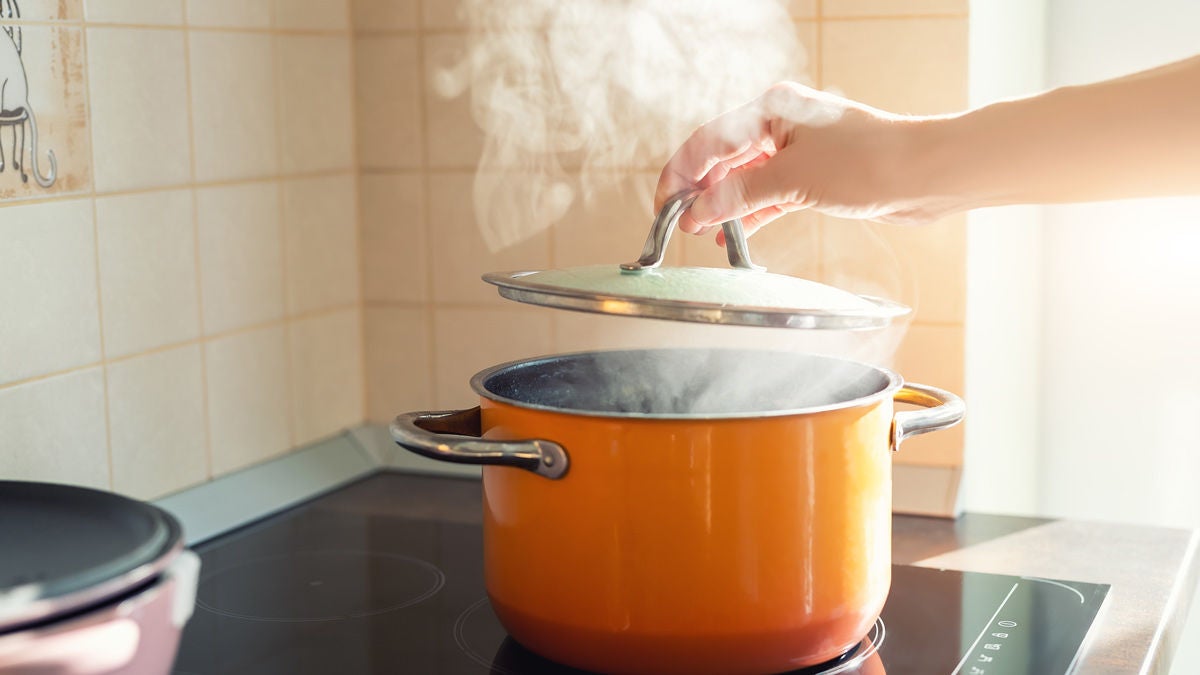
(893, 383)
(514, 286)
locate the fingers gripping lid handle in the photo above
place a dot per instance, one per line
(664, 225)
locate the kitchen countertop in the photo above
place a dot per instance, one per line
(1152, 570)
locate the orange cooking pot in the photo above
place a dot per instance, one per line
(684, 511)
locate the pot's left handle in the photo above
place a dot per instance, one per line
(944, 410)
(454, 436)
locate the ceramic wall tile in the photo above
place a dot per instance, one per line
(229, 13)
(316, 107)
(248, 408)
(901, 65)
(147, 258)
(460, 254)
(862, 257)
(388, 111)
(317, 15)
(442, 15)
(47, 149)
(934, 355)
(32, 10)
(469, 340)
(156, 418)
(321, 243)
(802, 9)
(140, 12)
(326, 374)
(139, 108)
(610, 225)
(860, 8)
(54, 430)
(395, 264)
(921, 267)
(398, 356)
(233, 105)
(454, 138)
(385, 15)
(241, 255)
(48, 293)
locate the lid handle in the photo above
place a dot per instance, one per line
(664, 225)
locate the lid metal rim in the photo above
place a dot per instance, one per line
(894, 382)
(512, 287)
(42, 609)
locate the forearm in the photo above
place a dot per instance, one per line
(1137, 136)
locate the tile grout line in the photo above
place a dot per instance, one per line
(213, 337)
(195, 208)
(281, 206)
(431, 351)
(358, 218)
(87, 95)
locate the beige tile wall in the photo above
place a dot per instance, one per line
(430, 323)
(185, 299)
(262, 230)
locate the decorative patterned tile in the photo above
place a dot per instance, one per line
(40, 10)
(45, 145)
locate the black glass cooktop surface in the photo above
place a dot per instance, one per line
(385, 576)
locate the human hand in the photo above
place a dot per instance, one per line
(796, 148)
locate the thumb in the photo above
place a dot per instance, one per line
(741, 193)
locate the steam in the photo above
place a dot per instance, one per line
(572, 94)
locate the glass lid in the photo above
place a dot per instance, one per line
(744, 294)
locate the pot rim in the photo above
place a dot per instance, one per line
(894, 382)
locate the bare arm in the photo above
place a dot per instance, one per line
(795, 148)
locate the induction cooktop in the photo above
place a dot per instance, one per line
(349, 583)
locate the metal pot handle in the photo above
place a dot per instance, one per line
(454, 436)
(944, 410)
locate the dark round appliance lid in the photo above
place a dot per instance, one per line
(65, 548)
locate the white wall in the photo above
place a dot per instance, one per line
(1121, 323)
(1003, 326)
(1113, 372)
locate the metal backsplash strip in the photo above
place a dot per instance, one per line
(229, 502)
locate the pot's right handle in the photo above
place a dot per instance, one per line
(454, 436)
(944, 410)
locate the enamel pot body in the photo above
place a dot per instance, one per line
(728, 523)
